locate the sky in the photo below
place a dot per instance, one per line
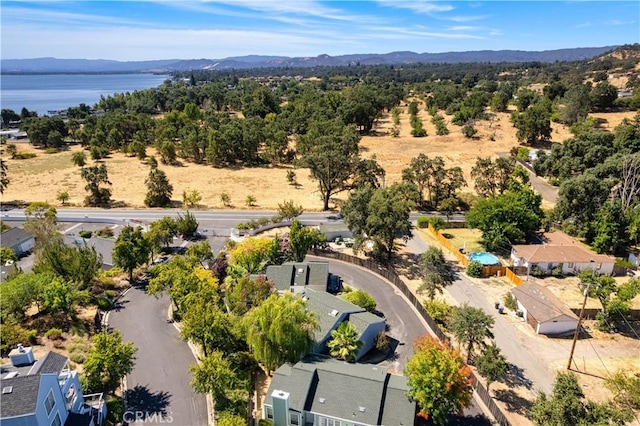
(215, 29)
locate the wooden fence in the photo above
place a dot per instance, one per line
(392, 276)
(487, 271)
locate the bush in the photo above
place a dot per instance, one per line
(536, 272)
(510, 301)
(115, 410)
(439, 311)
(474, 269)
(53, 334)
(51, 150)
(103, 303)
(523, 153)
(263, 221)
(422, 222)
(77, 357)
(85, 234)
(11, 335)
(382, 342)
(105, 232)
(32, 337)
(556, 272)
(7, 254)
(24, 156)
(438, 223)
(469, 131)
(362, 299)
(624, 263)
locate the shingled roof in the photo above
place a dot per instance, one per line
(13, 236)
(23, 397)
(548, 253)
(540, 303)
(359, 393)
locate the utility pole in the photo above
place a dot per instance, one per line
(575, 335)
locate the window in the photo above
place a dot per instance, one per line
(570, 265)
(294, 419)
(326, 421)
(56, 421)
(49, 403)
(269, 412)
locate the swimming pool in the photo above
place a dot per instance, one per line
(484, 258)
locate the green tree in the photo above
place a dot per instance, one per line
(61, 296)
(131, 249)
(216, 375)
(226, 199)
(438, 380)
(199, 253)
(330, 151)
(534, 124)
(344, 343)
(245, 293)
(625, 386)
(610, 229)
(7, 254)
(79, 158)
(107, 362)
(250, 201)
(301, 239)
(159, 190)
(186, 225)
(603, 95)
(566, 406)
(78, 264)
(19, 293)
(63, 197)
(280, 330)
(493, 178)
(4, 179)
(379, 215)
(436, 272)
(506, 219)
(161, 232)
(191, 198)
(431, 176)
(471, 326)
(492, 364)
(95, 177)
(361, 298)
(42, 223)
(288, 210)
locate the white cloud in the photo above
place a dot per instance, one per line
(417, 6)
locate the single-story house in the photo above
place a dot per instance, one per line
(297, 277)
(564, 253)
(103, 246)
(331, 231)
(322, 391)
(543, 310)
(18, 240)
(331, 311)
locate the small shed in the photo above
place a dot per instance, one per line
(543, 310)
(18, 240)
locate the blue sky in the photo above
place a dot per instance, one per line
(187, 29)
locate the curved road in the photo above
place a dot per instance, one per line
(159, 384)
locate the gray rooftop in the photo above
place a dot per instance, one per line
(22, 399)
(103, 246)
(362, 320)
(298, 274)
(541, 303)
(360, 393)
(13, 236)
(329, 311)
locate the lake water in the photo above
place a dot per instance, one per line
(53, 92)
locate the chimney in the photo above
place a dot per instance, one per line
(21, 356)
(280, 400)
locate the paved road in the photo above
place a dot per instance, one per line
(405, 325)
(549, 192)
(518, 349)
(159, 383)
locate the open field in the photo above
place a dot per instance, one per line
(43, 177)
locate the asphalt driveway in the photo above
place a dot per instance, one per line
(158, 389)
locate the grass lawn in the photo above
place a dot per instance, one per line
(464, 237)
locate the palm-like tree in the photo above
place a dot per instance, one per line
(344, 343)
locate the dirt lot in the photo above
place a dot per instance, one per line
(43, 177)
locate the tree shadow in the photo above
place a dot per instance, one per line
(515, 378)
(477, 420)
(514, 402)
(141, 400)
(408, 264)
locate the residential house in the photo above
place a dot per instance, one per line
(331, 231)
(322, 391)
(543, 310)
(18, 240)
(560, 252)
(297, 277)
(45, 392)
(331, 311)
(103, 246)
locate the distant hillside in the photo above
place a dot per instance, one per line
(43, 65)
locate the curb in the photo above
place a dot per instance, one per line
(194, 352)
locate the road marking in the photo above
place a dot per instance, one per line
(73, 227)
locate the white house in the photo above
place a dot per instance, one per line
(543, 310)
(570, 257)
(45, 392)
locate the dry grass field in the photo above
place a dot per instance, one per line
(43, 177)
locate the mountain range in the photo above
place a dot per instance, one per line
(53, 65)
